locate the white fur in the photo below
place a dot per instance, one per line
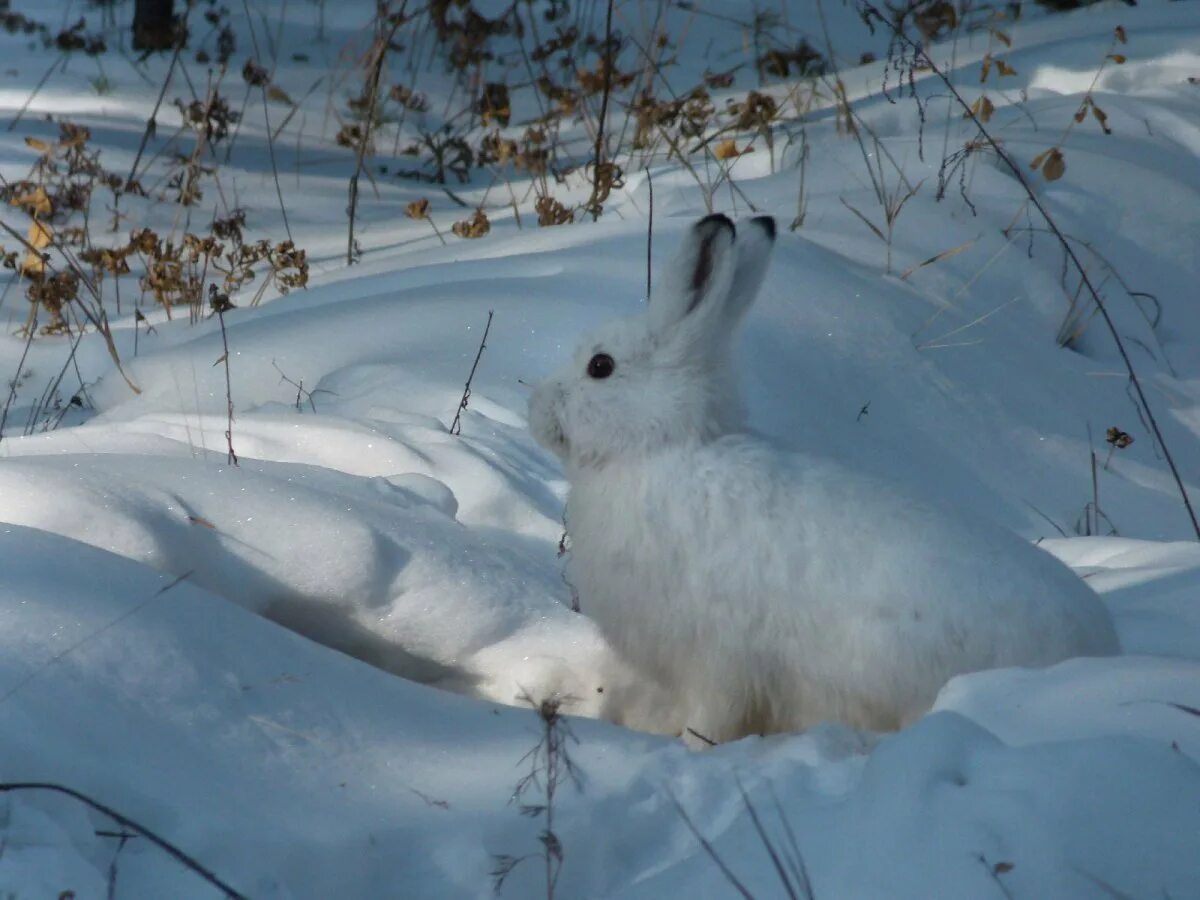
(769, 590)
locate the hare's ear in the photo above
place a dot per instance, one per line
(700, 275)
(755, 241)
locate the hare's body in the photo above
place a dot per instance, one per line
(769, 590)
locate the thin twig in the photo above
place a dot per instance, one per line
(126, 822)
(63, 654)
(594, 203)
(98, 318)
(456, 425)
(220, 304)
(16, 379)
(1053, 524)
(267, 123)
(918, 49)
(151, 123)
(765, 839)
(58, 60)
(649, 233)
(382, 44)
(274, 169)
(708, 849)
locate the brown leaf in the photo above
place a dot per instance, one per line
(1037, 160)
(982, 108)
(1119, 33)
(1102, 118)
(38, 145)
(32, 266)
(1001, 867)
(1004, 68)
(36, 202)
(418, 209)
(1054, 166)
(475, 227)
(1081, 113)
(1118, 438)
(39, 235)
(729, 150)
(985, 68)
(279, 95)
(717, 80)
(937, 257)
(494, 104)
(254, 74)
(552, 212)
(1002, 37)
(1118, 58)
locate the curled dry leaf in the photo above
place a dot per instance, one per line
(39, 145)
(38, 238)
(349, 136)
(418, 209)
(1118, 438)
(279, 95)
(254, 74)
(475, 227)
(717, 80)
(36, 202)
(1118, 58)
(552, 212)
(982, 108)
(1054, 166)
(494, 104)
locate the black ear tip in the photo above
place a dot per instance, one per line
(719, 220)
(767, 224)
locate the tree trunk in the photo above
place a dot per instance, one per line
(154, 26)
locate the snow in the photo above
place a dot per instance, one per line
(154, 599)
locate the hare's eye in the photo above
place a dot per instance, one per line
(601, 366)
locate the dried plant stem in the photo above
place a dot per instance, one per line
(232, 457)
(381, 47)
(649, 234)
(98, 318)
(125, 822)
(58, 60)
(267, 123)
(594, 203)
(12, 385)
(456, 425)
(550, 764)
(918, 51)
(709, 850)
(274, 169)
(151, 123)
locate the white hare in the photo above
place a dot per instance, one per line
(769, 590)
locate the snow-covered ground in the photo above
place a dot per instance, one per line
(134, 558)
